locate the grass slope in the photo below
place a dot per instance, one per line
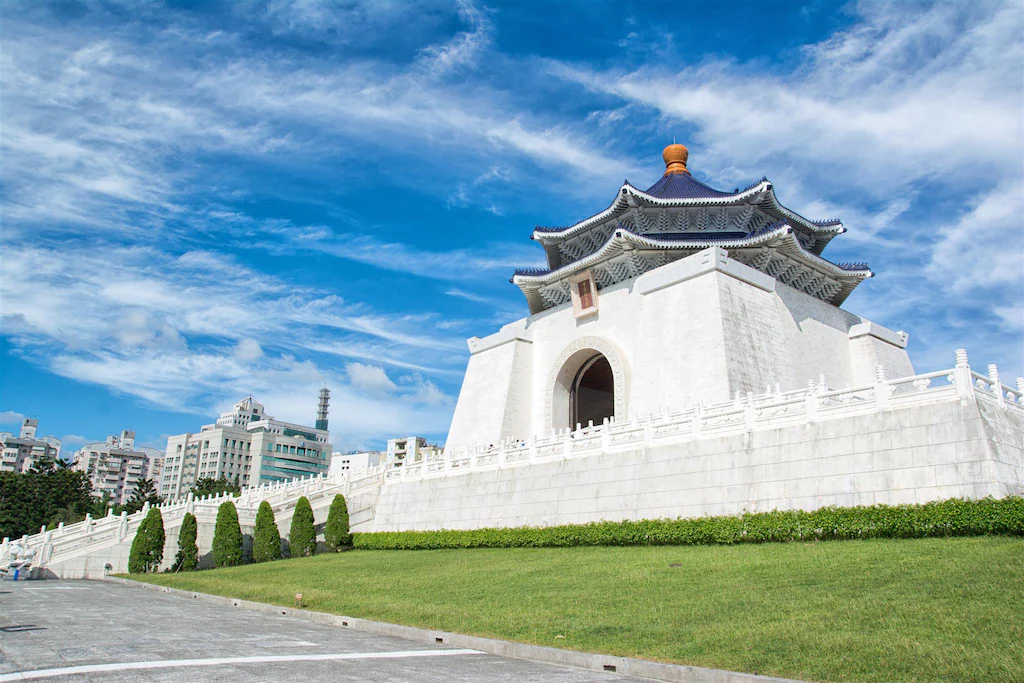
(874, 610)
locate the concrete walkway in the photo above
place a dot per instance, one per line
(84, 630)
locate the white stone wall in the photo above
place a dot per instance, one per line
(498, 370)
(697, 329)
(916, 454)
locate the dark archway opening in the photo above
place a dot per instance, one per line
(593, 393)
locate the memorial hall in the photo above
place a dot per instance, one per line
(673, 296)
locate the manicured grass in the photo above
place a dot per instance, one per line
(872, 610)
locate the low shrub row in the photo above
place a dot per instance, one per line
(954, 517)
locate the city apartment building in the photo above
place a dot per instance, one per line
(114, 466)
(248, 447)
(21, 453)
(411, 449)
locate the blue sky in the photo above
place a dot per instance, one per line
(202, 200)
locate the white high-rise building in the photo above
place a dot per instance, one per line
(246, 446)
(21, 453)
(350, 463)
(114, 466)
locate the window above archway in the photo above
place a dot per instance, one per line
(583, 289)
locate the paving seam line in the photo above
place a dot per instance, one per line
(642, 668)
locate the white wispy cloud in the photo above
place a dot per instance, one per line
(370, 378)
(10, 417)
(182, 332)
(465, 48)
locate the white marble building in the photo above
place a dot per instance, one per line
(672, 296)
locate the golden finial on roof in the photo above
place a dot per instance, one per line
(675, 157)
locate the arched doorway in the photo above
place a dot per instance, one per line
(593, 392)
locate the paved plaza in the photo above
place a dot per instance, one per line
(86, 630)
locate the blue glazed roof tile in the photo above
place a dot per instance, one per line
(683, 186)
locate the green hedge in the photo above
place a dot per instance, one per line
(955, 517)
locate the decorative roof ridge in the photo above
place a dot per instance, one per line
(829, 225)
(530, 271)
(781, 226)
(684, 201)
(627, 187)
(770, 228)
(751, 186)
(618, 234)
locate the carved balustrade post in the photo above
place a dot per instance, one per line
(881, 389)
(749, 412)
(997, 387)
(962, 376)
(811, 402)
(648, 430)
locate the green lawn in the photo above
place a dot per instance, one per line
(873, 610)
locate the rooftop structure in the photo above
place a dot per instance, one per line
(246, 446)
(321, 411)
(23, 452)
(679, 216)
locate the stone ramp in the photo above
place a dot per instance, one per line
(96, 548)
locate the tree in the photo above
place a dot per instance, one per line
(336, 530)
(41, 497)
(227, 537)
(208, 486)
(188, 550)
(266, 539)
(147, 551)
(302, 536)
(144, 492)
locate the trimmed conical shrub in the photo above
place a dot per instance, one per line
(147, 551)
(336, 533)
(188, 550)
(227, 537)
(266, 539)
(302, 536)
